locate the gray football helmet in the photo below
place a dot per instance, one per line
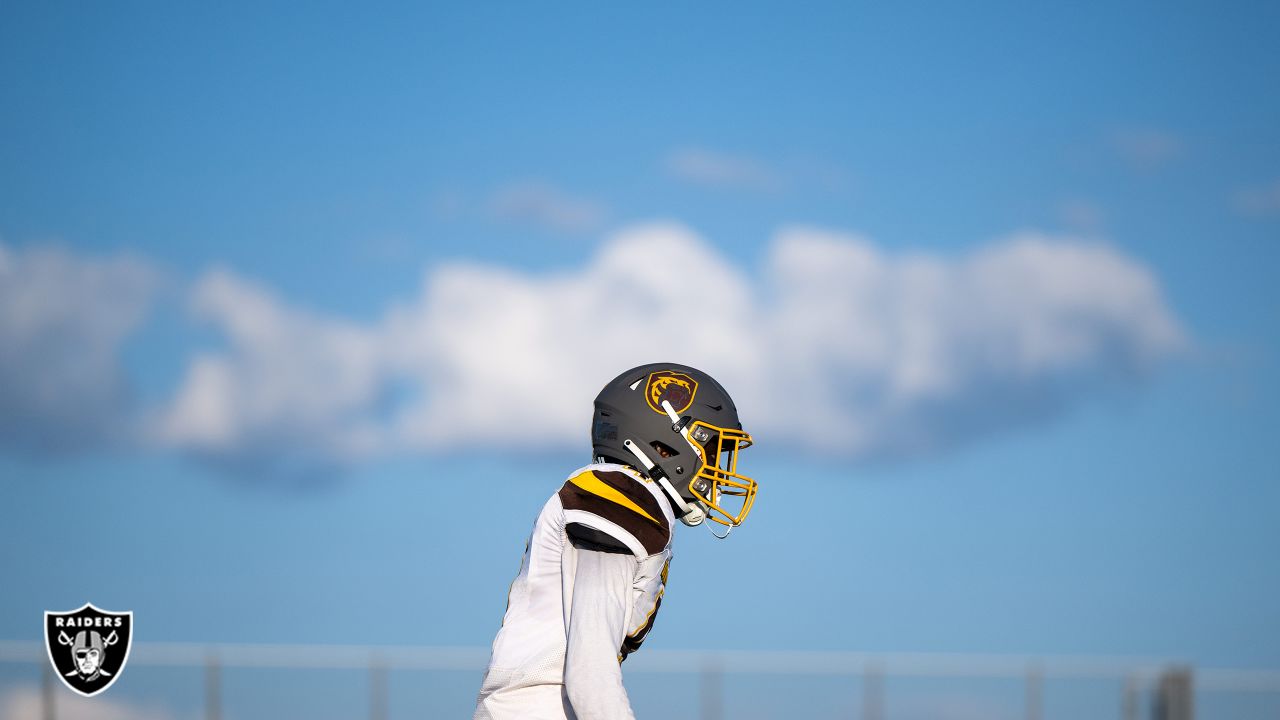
(677, 426)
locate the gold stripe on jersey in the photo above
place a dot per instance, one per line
(648, 618)
(594, 485)
(630, 508)
(633, 641)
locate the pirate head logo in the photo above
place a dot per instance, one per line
(88, 647)
(674, 387)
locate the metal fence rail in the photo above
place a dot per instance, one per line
(1172, 682)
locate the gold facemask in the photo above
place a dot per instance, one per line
(726, 494)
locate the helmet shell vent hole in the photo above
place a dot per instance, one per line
(664, 450)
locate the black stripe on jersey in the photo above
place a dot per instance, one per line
(589, 538)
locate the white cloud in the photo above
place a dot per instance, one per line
(900, 355)
(717, 169)
(833, 345)
(25, 703)
(1263, 200)
(546, 206)
(501, 352)
(290, 383)
(63, 318)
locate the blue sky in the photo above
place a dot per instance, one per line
(271, 256)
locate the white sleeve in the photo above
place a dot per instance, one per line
(597, 625)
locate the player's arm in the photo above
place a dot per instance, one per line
(597, 626)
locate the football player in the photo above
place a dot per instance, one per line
(665, 439)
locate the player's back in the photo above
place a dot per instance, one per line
(527, 664)
(525, 677)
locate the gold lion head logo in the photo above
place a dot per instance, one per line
(674, 387)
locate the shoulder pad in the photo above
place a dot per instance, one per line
(585, 537)
(619, 505)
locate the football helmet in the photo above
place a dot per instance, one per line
(679, 427)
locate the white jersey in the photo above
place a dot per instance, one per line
(557, 655)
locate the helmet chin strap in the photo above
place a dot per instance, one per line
(690, 515)
(681, 425)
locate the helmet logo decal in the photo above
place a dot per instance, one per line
(676, 388)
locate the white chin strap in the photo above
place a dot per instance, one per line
(684, 429)
(697, 450)
(690, 515)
